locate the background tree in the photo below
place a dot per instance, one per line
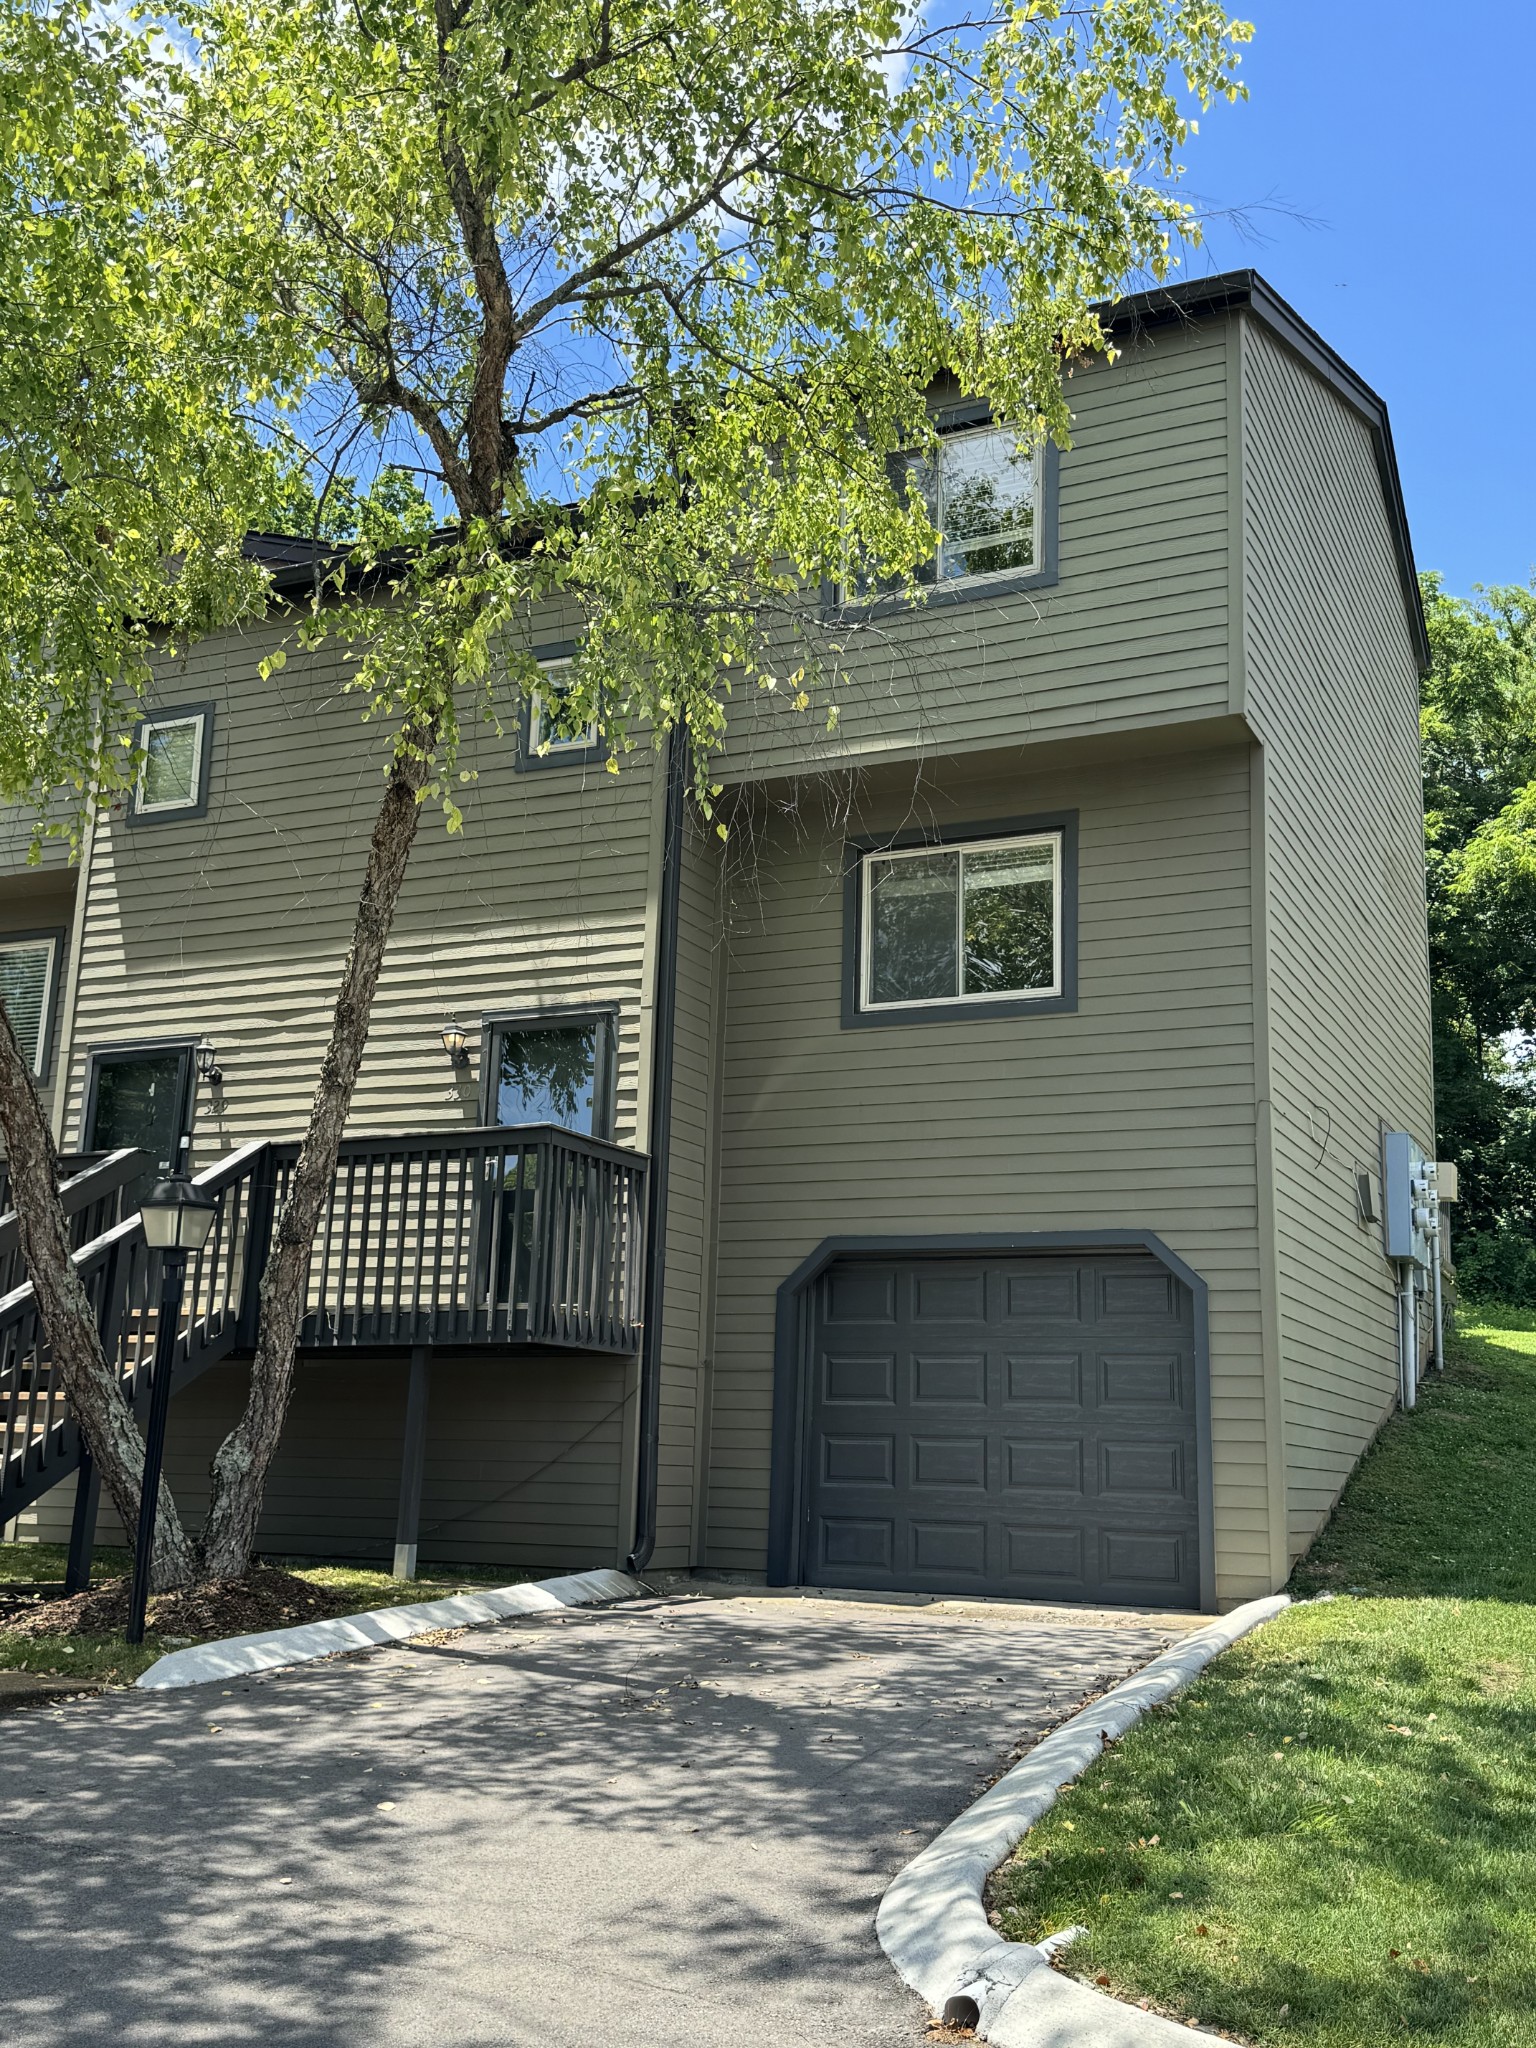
(645, 295)
(1478, 726)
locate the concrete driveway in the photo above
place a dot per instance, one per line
(659, 1823)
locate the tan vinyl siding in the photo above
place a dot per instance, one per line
(690, 1219)
(522, 1464)
(1135, 1112)
(1332, 692)
(236, 924)
(1133, 634)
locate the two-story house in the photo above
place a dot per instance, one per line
(1003, 1094)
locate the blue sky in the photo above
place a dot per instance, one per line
(1406, 141)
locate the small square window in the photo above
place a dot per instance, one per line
(172, 772)
(27, 970)
(946, 925)
(547, 735)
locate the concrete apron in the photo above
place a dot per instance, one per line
(932, 1922)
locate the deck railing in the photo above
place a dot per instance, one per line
(524, 1234)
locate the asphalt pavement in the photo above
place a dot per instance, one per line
(666, 1822)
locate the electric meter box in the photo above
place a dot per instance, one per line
(1409, 1199)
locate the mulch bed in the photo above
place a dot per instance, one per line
(262, 1599)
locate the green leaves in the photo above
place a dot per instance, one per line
(634, 300)
(1478, 726)
(126, 478)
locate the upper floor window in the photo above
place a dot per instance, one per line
(28, 970)
(549, 736)
(983, 494)
(992, 504)
(173, 770)
(962, 923)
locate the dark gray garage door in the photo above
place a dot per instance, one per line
(1022, 1427)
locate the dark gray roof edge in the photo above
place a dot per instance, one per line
(1246, 291)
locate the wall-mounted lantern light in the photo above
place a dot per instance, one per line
(454, 1037)
(208, 1067)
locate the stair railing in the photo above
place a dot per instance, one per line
(39, 1438)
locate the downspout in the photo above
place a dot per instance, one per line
(663, 1026)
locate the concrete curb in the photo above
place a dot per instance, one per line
(273, 1649)
(932, 1923)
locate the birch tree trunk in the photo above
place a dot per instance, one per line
(93, 1389)
(241, 1464)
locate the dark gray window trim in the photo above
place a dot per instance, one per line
(792, 1358)
(980, 589)
(134, 1048)
(58, 936)
(529, 762)
(166, 715)
(605, 1089)
(854, 852)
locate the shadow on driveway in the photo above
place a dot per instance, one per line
(670, 1821)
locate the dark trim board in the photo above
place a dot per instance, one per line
(791, 1357)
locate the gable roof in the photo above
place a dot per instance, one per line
(1245, 291)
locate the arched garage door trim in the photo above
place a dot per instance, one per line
(792, 1352)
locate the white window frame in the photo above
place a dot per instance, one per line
(50, 944)
(142, 807)
(1037, 469)
(961, 999)
(542, 744)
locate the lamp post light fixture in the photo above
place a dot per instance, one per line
(177, 1219)
(208, 1068)
(454, 1041)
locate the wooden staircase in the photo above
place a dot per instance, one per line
(40, 1442)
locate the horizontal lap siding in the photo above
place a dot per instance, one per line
(1136, 1112)
(236, 924)
(1134, 633)
(522, 1462)
(690, 1204)
(1332, 691)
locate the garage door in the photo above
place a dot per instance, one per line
(1018, 1427)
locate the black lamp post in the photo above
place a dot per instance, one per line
(177, 1219)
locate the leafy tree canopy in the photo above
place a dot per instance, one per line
(690, 265)
(1478, 724)
(121, 449)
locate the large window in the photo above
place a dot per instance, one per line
(173, 771)
(554, 1071)
(28, 970)
(983, 496)
(975, 922)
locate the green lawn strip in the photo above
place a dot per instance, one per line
(1444, 1502)
(112, 1661)
(1330, 1840)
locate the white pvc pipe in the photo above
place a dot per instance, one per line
(1407, 1338)
(1439, 1310)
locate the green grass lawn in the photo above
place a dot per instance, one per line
(1331, 1838)
(111, 1660)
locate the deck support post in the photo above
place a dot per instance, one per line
(412, 1463)
(82, 1529)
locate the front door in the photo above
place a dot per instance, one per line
(143, 1098)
